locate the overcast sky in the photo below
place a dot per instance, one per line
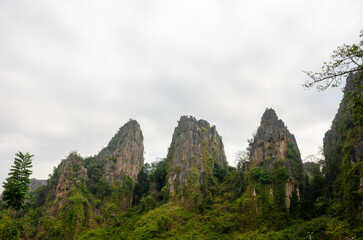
(73, 72)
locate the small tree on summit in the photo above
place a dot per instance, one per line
(16, 186)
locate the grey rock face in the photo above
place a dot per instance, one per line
(335, 134)
(357, 156)
(35, 183)
(274, 142)
(344, 130)
(195, 145)
(70, 170)
(271, 141)
(124, 153)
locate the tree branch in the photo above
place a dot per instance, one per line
(335, 75)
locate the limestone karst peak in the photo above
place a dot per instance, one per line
(132, 127)
(195, 146)
(269, 116)
(124, 153)
(70, 170)
(272, 138)
(275, 146)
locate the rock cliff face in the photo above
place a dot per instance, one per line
(124, 153)
(343, 149)
(122, 157)
(70, 171)
(107, 177)
(274, 142)
(35, 183)
(195, 146)
(344, 129)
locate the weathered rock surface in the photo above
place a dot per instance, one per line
(122, 157)
(345, 138)
(341, 124)
(70, 170)
(108, 176)
(195, 145)
(274, 142)
(35, 183)
(124, 153)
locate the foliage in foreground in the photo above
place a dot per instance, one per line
(171, 221)
(16, 190)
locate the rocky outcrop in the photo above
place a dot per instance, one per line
(343, 149)
(342, 124)
(195, 146)
(85, 193)
(35, 183)
(274, 143)
(124, 154)
(70, 171)
(123, 157)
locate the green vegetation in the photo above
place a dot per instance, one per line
(16, 189)
(96, 185)
(293, 155)
(342, 169)
(222, 221)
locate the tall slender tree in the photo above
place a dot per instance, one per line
(16, 186)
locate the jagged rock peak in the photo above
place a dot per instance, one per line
(70, 170)
(35, 183)
(269, 116)
(272, 140)
(124, 153)
(195, 146)
(274, 145)
(190, 123)
(132, 127)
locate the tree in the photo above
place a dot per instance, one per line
(16, 186)
(242, 160)
(347, 60)
(141, 188)
(342, 170)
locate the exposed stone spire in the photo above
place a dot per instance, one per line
(124, 153)
(70, 171)
(273, 143)
(195, 145)
(269, 116)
